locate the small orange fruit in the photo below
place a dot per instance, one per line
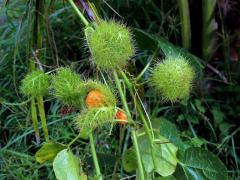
(120, 115)
(95, 98)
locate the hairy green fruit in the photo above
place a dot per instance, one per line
(108, 97)
(173, 78)
(68, 87)
(95, 117)
(111, 45)
(35, 84)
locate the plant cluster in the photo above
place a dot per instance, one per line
(112, 106)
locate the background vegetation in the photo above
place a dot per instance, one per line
(210, 119)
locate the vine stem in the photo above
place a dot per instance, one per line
(43, 117)
(95, 159)
(83, 19)
(133, 133)
(139, 109)
(142, 116)
(76, 138)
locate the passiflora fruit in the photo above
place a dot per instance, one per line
(35, 84)
(173, 78)
(95, 99)
(121, 117)
(99, 95)
(68, 87)
(95, 117)
(110, 44)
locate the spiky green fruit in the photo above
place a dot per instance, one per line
(68, 87)
(103, 94)
(111, 45)
(35, 84)
(95, 117)
(173, 78)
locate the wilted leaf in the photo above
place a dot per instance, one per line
(66, 166)
(202, 164)
(48, 152)
(129, 160)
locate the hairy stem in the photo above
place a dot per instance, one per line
(43, 117)
(139, 108)
(133, 133)
(95, 159)
(141, 114)
(139, 160)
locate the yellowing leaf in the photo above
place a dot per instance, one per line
(48, 152)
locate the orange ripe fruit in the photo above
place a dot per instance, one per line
(94, 98)
(120, 115)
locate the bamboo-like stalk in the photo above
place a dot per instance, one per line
(183, 7)
(42, 117)
(133, 133)
(207, 28)
(37, 45)
(35, 120)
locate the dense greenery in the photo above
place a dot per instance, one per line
(140, 116)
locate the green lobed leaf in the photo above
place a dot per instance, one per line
(165, 156)
(199, 163)
(48, 152)
(66, 166)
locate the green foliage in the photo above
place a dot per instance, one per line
(168, 130)
(152, 42)
(164, 162)
(48, 152)
(67, 166)
(35, 84)
(173, 78)
(111, 45)
(68, 87)
(202, 164)
(95, 117)
(214, 102)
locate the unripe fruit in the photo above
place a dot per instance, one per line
(93, 118)
(35, 84)
(121, 117)
(173, 78)
(110, 45)
(68, 87)
(95, 99)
